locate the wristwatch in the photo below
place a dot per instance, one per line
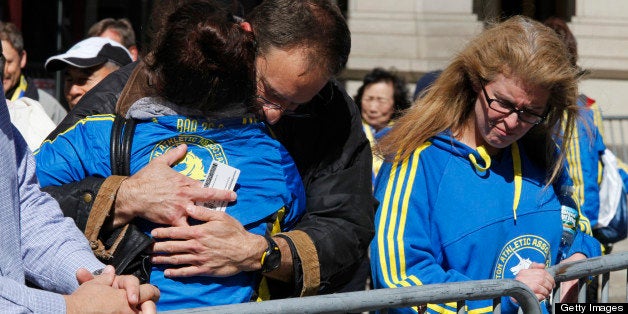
(271, 258)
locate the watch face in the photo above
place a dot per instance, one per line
(272, 260)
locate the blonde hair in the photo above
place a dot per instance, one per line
(519, 48)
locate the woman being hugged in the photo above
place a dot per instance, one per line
(202, 69)
(470, 189)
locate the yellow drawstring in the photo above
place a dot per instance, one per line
(516, 164)
(485, 156)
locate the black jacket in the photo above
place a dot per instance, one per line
(333, 156)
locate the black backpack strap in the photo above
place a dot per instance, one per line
(114, 144)
(127, 143)
(127, 248)
(120, 146)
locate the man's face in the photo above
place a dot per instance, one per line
(79, 81)
(15, 61)
(285, 80)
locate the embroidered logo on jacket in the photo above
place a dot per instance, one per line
(199, 149)
(519, 253)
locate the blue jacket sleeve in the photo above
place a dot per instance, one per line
(583, 158)
(585, 244)
(81, 151)
(297, 192)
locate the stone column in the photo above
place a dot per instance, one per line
(601, 29)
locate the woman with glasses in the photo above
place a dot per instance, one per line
(211, 114)
(382, 98)
(470, 189)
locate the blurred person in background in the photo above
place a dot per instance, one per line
(86, 63)
(119, 30)
(382, 98)
(18, 85)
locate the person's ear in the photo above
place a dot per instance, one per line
(134, 52)
(23, 59)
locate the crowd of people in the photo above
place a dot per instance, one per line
(329, 192)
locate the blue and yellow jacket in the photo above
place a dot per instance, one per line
(269, 183)
(584, 149)
(451, 213)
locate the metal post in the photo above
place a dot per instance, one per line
(605, 287)
(582, 291)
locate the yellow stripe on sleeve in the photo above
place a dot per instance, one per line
(396, 181)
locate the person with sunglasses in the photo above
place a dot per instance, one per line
(471, 188)
(313, 118)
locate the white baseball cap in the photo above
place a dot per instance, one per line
(90, 52)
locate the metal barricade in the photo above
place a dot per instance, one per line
(584, 269)
(438, 293)
(390, 298)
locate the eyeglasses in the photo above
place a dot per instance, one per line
(273, 105)
(322, 98)
(507, 108)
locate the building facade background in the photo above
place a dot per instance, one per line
(417, 36)
(410, 36)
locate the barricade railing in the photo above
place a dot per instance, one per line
(585, 269)
(361, 301)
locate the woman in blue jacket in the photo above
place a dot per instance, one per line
(202, 67)
(470, 188)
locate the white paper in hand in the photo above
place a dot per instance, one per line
(219, 176)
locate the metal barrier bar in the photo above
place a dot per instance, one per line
(589, 267)
(388, 298)
(602, 265)
(361, 301)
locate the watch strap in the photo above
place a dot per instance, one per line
(271, 258)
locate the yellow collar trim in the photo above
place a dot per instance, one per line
(20, 90)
